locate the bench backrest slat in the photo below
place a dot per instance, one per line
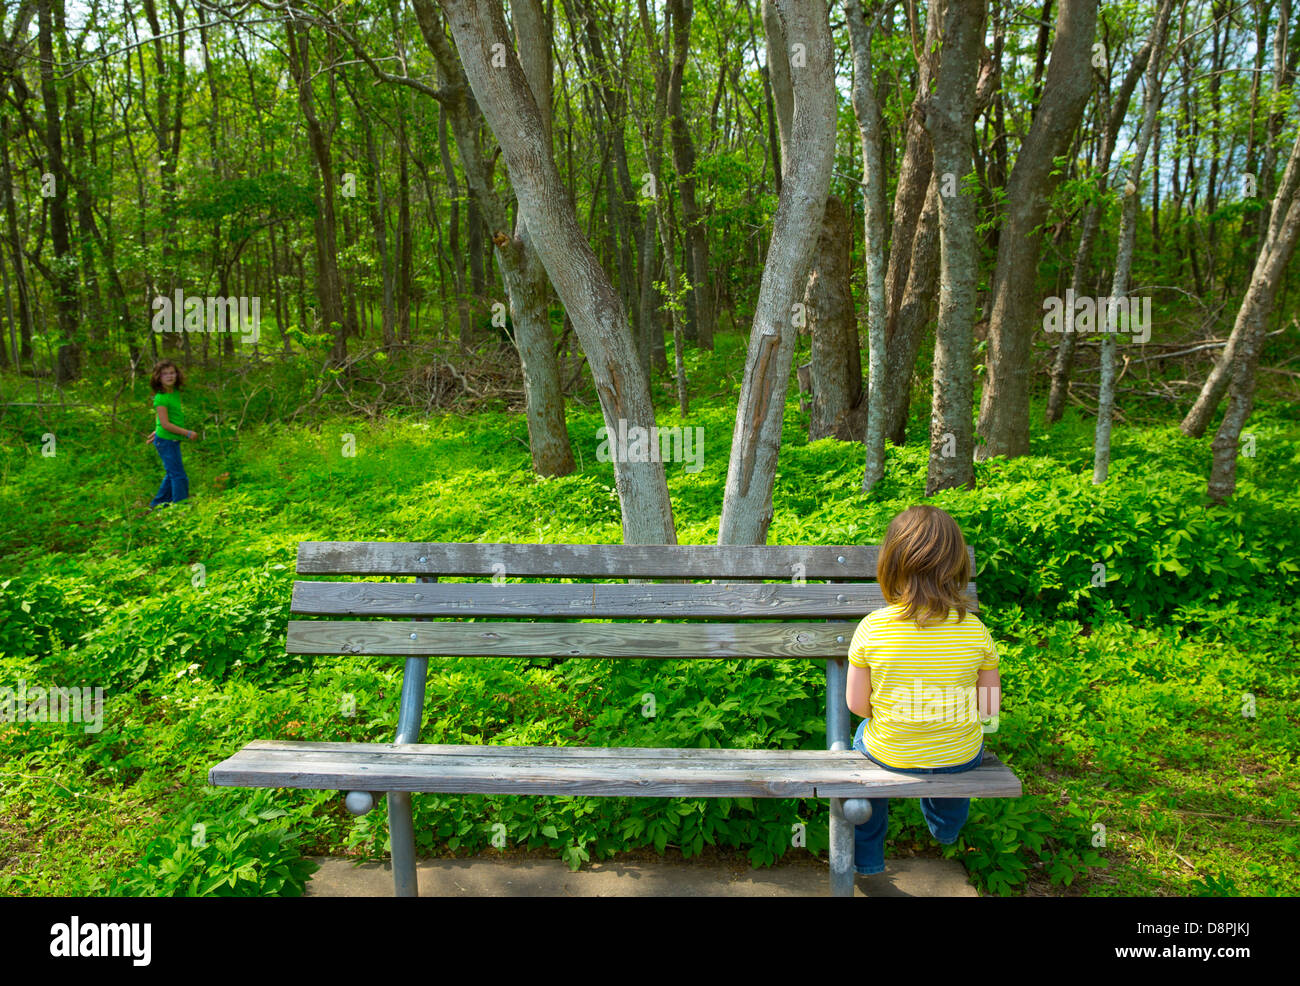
(565, 640)
(721, 601)
(645, 561)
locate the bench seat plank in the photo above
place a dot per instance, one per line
(582, 600)
(564, 640)
(597, 771)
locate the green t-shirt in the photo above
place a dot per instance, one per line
(175, 415)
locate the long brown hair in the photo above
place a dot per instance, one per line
(155, 378)
(924, 566)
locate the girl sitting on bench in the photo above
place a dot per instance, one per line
(923, 671)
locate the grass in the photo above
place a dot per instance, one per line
(1124, 705)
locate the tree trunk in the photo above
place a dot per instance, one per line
(469, 336)
(405, 244)
(756, 441)
(24, 349)
(837, 406)
(1004, 407)
(696, 253)
(1275, 119)
(1127, 236)
(328, 283)
(1198, 417)
(68, 366)
(652, 141)
(379, 224)
(505, 98)
(1252, 317)
(521, 269)
(1092, 221)
(915, 314)
(911, 196)
(867, 110)
(950, 117)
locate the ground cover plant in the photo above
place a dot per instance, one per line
(1152, 715)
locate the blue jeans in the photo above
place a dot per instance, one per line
(945, 816)
(175, 485)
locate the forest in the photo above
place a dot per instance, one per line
(603, 271)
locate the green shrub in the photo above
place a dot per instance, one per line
(230, 854)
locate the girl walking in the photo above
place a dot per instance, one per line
(166, 382)
(923, 671)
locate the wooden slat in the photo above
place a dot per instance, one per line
(562, 640)
(646, 561)
(602, 771)
(736, 600)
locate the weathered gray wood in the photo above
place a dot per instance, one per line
(601, 771)
(637, 640)
(691, 561)
(589, 600)
(561, 752)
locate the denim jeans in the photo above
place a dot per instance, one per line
(945, 816)
(175, 485)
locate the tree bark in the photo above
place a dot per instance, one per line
(1127, 236)
(502, 91)
(756, 441)
(521, 268)
(1274, 118)
(1004, 407)
(23, 350)
(379, 225)
(696, 253)
(1270, 267)
(912, 191)
(867, 110)
(915, 315)
(328, 284)
(652, 142)
(837, 407)
(950, 117)
(1092, 221)
(68, 365)
(469, 337)
(1207, 401)
(526, 280)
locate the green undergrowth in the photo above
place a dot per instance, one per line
(1148, 653)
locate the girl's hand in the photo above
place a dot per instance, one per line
(194, 436)
(149, 440)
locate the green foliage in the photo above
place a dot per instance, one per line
(231, 854)
(1123, 703)
(1004, 839)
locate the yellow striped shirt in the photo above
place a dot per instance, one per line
(924, 710)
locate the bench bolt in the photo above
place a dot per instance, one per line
(359, 802)
(856, 810)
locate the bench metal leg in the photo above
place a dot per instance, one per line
(402, 833)
(838, 737)
(841, 851)
(401, 830)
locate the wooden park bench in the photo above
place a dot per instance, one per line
(747, 618)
